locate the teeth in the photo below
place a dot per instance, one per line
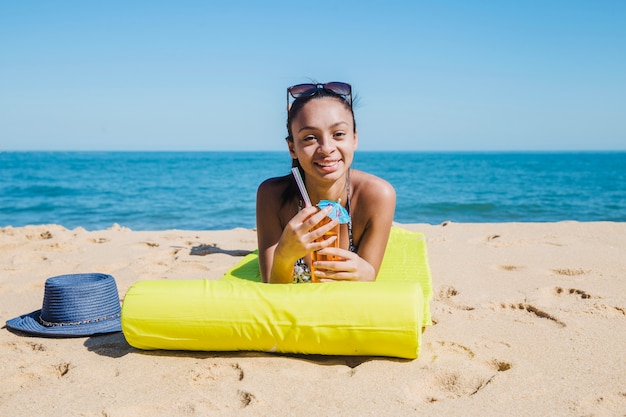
(327, 164)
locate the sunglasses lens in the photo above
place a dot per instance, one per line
(302, 90)
(342, 89)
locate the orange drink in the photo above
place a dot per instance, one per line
(338, 212)
(319, 257)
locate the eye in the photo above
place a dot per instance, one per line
(339, 134)
(309, 138)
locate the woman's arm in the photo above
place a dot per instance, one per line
(380, 204)
(373, 211)
(280, 247)
(269, 228)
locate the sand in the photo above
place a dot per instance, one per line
(530, 321)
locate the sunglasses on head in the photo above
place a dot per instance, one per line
(307, 90)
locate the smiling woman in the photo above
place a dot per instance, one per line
(322, 139)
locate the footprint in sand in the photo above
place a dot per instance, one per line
(492, 237)
(497, 241)
(22, 347)
(452, 372)
(610, 404)
(533, 311)
(64, 247)
(446, 293)
(577, 301)
(510, 268)
(570, 272)
(99, 240)
(151, 244)
(62, 369)
(45, 235)
(572, 291)
(216, 372)
(213, 376)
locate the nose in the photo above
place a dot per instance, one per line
(326, 145)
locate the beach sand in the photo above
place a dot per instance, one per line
(530, 321)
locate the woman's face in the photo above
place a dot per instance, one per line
(324, 138)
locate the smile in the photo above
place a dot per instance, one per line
(327, 164)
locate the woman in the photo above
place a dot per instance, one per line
(322, 138)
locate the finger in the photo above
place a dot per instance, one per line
(335, 266)
(306, 212)
(323, 233)
(328, 276)
(319, 245)
(315, 216)
(340, 253)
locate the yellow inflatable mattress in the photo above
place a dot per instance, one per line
(238, 312)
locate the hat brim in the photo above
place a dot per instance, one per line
(29, 323)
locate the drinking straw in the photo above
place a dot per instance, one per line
(305, 195)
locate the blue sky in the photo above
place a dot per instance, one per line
(212, 75)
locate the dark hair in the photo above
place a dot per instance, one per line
(292, 188)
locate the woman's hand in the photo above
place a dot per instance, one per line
(351, 268)
(298, 238)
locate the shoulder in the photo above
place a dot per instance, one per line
(373, 207)
(274, 186)
(371, 187)
(274, 202)
(274, 197)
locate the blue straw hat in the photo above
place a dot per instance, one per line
(74, 305)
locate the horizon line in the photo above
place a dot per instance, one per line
(284, 151)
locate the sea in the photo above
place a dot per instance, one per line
(217, 190)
